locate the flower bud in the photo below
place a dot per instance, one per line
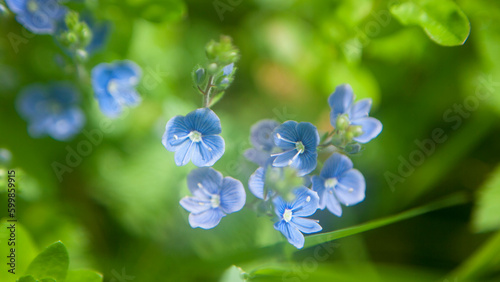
(342, 123)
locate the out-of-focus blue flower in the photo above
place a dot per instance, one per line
(299, 142)
(115, 86)
(257, 181)
(213, 197)
(51, 110)
(291, 216)
(262, 139)
(100, 33)
(195, 137)
(38, 16)
(338, 183)
(341, 102)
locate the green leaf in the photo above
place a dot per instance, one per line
(486, 216)
(27, 278)
(53, 262)
(83, 276)
(443, 21)
(330, 236)
(233, 274)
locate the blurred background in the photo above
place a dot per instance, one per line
(116, 207)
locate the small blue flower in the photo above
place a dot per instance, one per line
(195, 137)
(257, 181)
(213, 197)
(299, 142)
(38, 16)
(100, 33)
(115, 86)
(341, 102)
(338, 183)
(291, 216)
(51, 110)
(262, 139)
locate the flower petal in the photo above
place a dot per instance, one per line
(261, 134)
(228, 69)
(335, 165)
(67, 124)
(207, 219)
(285, 158)
(308, 135)
(306, 162)
(16, 6)
(360, 109)
(332, 204)
(184, 153)
(175, 134)
(279, 206)
(291, 233)
(351, 188)
(306, 225)
(340, 101)
(194, 205)
(286, 135)
(203, 181)
(256, 182)
(305, 203)
(204, 121)
(232, 195)
(208, 151)
(371, 128)
(318, 185)
(257, 156)
(127, 72)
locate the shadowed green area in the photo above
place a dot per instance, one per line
(117, 208)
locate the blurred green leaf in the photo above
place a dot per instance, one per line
(83, 276)
(27, 278)
(52, 262)
(487, 210)
(233, 274)
(443, 21)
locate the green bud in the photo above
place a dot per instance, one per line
(81, 54)
(199, 76)
(71, 38)
(337, 140)
(342, 122)
(212, 68)
(356, 130)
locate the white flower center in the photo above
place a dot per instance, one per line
(113, 86)
(287, 215)
(32, 6)
(215, 201)
(331, 183)
(300, 147)
(195, 136)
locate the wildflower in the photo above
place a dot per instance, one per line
(299, 142)
(347, 114)
(51, 110)
(213, 197)
(262, 139)
(115, 86)
(291, 215)
(195, 137)
(38, 16)
(338, 183)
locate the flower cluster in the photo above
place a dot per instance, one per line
(295, 145)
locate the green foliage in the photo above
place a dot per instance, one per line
(53, 262)
(487, 209)
(443, 21)
(234, 274)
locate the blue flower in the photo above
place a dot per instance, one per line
(338, 183)
(38, 16)
(257, 181)
(51, 110)
(262, 139)
(115, 86)
(341, 102)
(195, 137)
(213, 197)
(299, 142)
(291, 216)
(100, 33)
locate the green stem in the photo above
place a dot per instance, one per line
(206, 93)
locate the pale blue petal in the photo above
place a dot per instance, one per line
(332, 204)
(305, 203)
(335, 165)
(209, 151)
(195, 205)
(232, 195)
(67, 124)
(204, 121)
(101, 75)
(283, 159)
(306, 225)
(176, 133)
(279, 206)
(257, 156)
(127, 71)
(31, 100)
(371, 128)
(16, 6)
(207, 219)
(351, 188)
(360, 109)
(184, 153)
(261, 134)
(228, 69)
(340, 101)
(305, 163)
(291, 233)
(203, 182)
(318, 185)
(108, 105)
(256, 182)
(308, 135)
(286, 135)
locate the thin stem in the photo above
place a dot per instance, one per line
(206, 93)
